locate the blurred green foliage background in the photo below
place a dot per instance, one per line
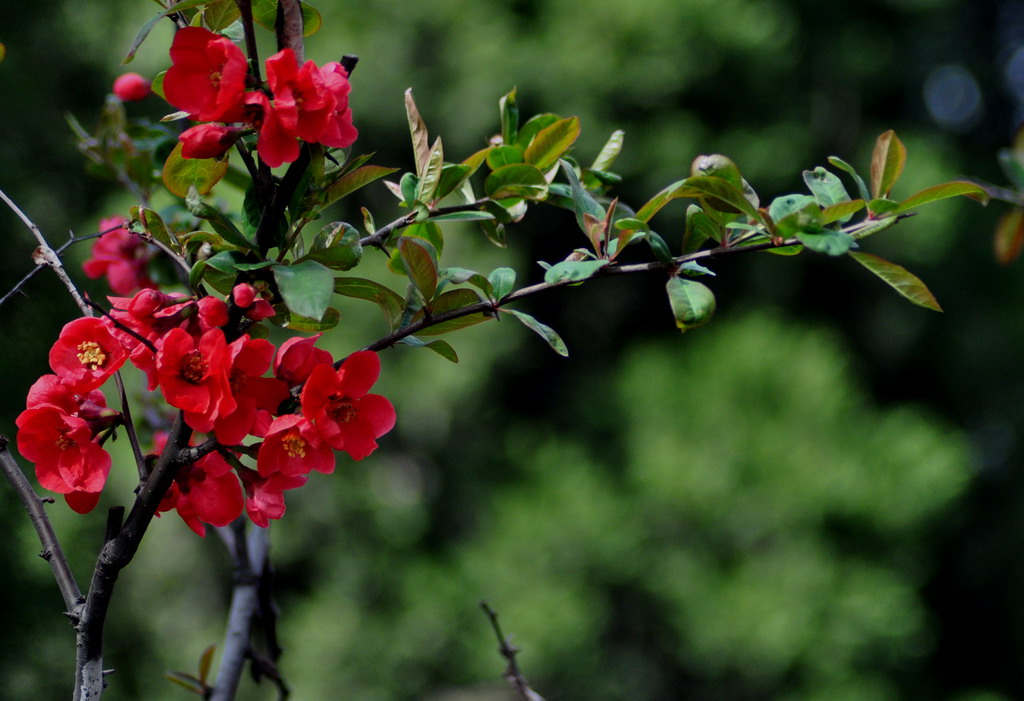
(818, 496)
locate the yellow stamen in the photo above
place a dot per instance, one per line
(91, 355)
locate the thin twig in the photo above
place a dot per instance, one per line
(64, 246)
(513, 675)
(44, 255)
(129, 427)
(52, 551)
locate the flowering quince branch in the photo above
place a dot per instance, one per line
(274, 414)
(44, 255)
(513, 675)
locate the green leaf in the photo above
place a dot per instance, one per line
(495, 232)
(583, 203)
(534, 125)
(154, 226)
(442, 348)
(338, 252)
(195, 274)
(887, 161)
(206, 660)
(658, 247)
(862, 189)
(551, 142)
(220, 14)
(841, 211)
(504, 156)
(573, 271)
(418, 131)
(609, 152)
(430, 177)
(452, 176)
(784, 206)
(420, 261)
(462, 216)
(226, 261)
(546, 332)
(872, 226)
(187, 681)
(881, 206)
(1009, 237)
(409, 185)
(447, 302)
(179, 174)
(327, 321)
(509, 117)
(221, 224)
(458, 276)
(900, 279)
(264, 13)
(387, 299)
(941, 192)
(826, 187)
(503, 280)
(306, 288)
(719, 166)
(692, 302)
(699, 228)
(354, 180)
(717, 193)
(151, 22)
(829, 242)
(518, 180)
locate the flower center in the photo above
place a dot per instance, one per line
(91, 355)
(237, 379)
(215, 76)
(294, 445)
(64, 442)
(342, 409)
(193, 367)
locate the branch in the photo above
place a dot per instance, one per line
(289, 28)
(44, 255)
(513, 675)
(249, 556)
(52, 551)
(381, 235)
(491, 306)
(21, 283)
(115, 555)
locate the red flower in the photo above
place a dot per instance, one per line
(207, 140)
(131, 87)
(208, 492)
(86, 354)
(275, 144)
(122, 257)
(193, 376)
(249, 359)
(293, 447)
(340, 131)
(297, 357)
(264, 496)
(303, 104)
(61, 447)
(207, 78)
(337, 403)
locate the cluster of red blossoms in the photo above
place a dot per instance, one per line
(121, 257)
(221, 389)
(210, 80)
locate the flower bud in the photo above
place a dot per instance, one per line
(131, 87)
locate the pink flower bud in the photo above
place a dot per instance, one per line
(207, 140)
(131, 87)
(243, 294)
